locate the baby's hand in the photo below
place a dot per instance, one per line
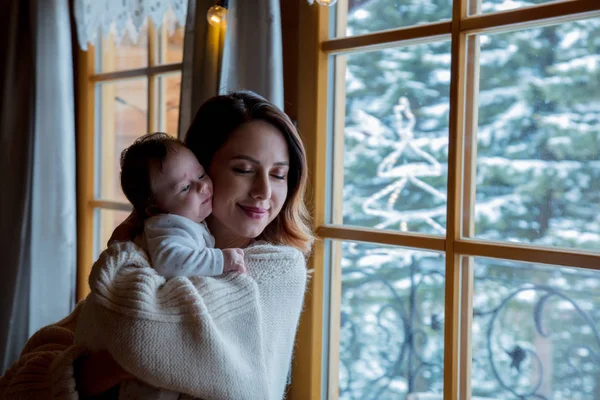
(233, 260)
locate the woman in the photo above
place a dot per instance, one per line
(258, 166)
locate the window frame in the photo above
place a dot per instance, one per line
(311, 378)
(87, 79)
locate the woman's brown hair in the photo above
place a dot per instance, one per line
(212, 126)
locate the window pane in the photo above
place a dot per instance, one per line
(105, 222)
(395, 138)
(535, 331)
(169, 87)
(488, 6)
(378, 15)
(121, 117)
(391, 322)
(169, 41)
(127, 54)
(538, 173)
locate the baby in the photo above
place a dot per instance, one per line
(171, 191)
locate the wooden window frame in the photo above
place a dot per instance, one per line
(316, 48)
(87, 203)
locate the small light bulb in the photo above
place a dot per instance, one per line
(217, 16)
(327, 3)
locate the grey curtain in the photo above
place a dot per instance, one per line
(37, 170)
(252, 57)
(245, 55)
(202, 54)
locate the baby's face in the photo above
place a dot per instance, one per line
(182, 187)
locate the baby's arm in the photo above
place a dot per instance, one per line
(177, 248)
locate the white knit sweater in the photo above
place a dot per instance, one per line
(213, 338)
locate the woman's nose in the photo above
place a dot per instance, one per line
(261, 188)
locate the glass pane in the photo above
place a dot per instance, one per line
(391, 322)
(105, 222)
(121, 117)
(538, 174)
(488, 6)
(535, 331)
(395, 138)
(169, 42)
(169, 87)
(127, 54)
(378, 15)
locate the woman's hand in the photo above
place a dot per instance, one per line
(127, 229)
(98, 373)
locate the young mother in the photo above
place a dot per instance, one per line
(257, 163)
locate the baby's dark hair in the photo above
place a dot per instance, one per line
(136, 163)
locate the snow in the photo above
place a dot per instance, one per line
(438, 59)
(528, 296)
(369, 125)
(570, 38)
(442, 76)
(375, 260)
(497, 56)
(438, 110)
(496, 95)
(589, 63)
(361, 14)
(488, 6)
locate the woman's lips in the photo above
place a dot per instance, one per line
(254, 212)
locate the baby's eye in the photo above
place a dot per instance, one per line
(185, 189)
(202, 176)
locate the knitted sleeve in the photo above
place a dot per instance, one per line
(45, 368)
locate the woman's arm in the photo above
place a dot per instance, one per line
(127, 230)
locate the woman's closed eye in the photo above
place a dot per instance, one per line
(242, 170)
(279, 175)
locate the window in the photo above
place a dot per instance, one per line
(126, 89)
(454, 150)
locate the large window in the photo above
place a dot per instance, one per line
(127, 89)
(458, 200)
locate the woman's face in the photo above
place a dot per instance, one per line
(249, 176)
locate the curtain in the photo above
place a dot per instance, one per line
(17, 72)
(245, 55)
(202, 54)
(252, 58)
(37, 167)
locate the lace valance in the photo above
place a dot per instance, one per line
(98, 18)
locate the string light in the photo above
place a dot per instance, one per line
(217, 14)
(326, 3)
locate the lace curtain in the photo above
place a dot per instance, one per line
(98, 18)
